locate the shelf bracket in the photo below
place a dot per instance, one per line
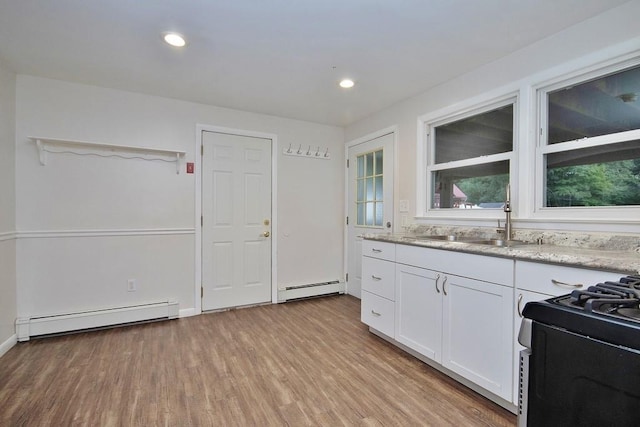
(42, 152)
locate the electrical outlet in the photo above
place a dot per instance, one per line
(132, 286)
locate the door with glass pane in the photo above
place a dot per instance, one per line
(370, 199)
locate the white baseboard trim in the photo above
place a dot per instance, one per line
(188, 312)
(311, 290)
(8, 344)
(45, 325)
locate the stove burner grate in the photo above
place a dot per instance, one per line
(621, 299)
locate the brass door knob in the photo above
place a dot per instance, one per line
(266, 234)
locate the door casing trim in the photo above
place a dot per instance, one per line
(366, 138)
(200, 128)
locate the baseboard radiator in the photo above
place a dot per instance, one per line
(310, 290)
(31, 327)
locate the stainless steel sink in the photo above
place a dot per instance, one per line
(448, 238)
(470, 240)
(500, 243)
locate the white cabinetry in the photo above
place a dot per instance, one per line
(378, 286)
(477, 327)
(537, 282)
(419, 310)
(463, 323)
(459, 310)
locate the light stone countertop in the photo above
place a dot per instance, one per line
(608, 252)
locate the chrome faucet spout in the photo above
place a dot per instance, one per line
(508, 231)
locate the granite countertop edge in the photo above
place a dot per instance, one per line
(626, 262)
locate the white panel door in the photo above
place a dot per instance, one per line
(369, 198)
(236, 211)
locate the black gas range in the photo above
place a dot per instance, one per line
(582, 362)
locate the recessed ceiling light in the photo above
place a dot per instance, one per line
(346, 83)
(174, 39)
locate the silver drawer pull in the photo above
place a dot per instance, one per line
(377, 251)
(437, 278)
(519, 305)
(566, 285)
(376, 277)
(444, 282)
(375, 313)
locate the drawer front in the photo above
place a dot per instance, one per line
(558, 280)
(378, 313)
(479, 267)
(380, 250)
(378, 277)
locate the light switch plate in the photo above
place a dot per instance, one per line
(404, 206)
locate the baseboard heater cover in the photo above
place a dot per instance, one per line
(310, 290)
(29, 327)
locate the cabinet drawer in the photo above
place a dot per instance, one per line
(479, 267)
(378, 313)
(540, 278)
(380, 250)
(378, 277)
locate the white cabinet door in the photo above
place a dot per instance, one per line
(419, 310)
(478, 333)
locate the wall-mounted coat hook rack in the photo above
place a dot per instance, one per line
(309, 153)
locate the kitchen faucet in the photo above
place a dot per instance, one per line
(508, 232)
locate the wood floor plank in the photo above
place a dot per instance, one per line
(305, 363)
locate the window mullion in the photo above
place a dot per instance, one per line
(594, 141)
(472, 162)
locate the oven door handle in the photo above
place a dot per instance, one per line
(566, 285)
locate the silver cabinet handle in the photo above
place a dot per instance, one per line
(376, 277)
(444, 282)
(377, 251)
(375, 313)
(519, 304)
(437, 278)
(565, 284)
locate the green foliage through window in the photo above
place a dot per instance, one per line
(602, 184)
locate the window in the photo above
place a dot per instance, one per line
(470, 157)
(590, 141)
(369, 191)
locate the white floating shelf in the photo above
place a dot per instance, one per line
(43, 143)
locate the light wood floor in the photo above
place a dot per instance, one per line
(302, 363)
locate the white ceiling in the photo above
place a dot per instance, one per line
(278, 57)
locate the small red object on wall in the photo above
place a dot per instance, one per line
(190, 166)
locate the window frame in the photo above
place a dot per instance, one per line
(627, 213)
(426, 160)
(377, 203)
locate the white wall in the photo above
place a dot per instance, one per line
(86, 224)
(598, 39)
(7, 209)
